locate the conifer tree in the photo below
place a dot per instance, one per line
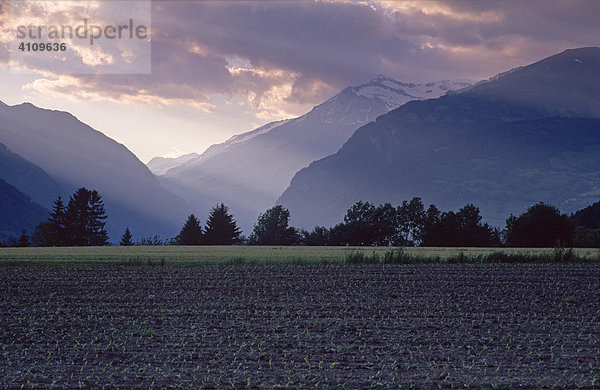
(56, 233)
(126, 238)
(221, 228)
(23, 240)
(77, 216)
(85, 219)
(97, 216)
(80, 223)
(191, 232)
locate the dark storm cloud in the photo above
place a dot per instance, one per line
(321, 47)
(333, 42)
(539, 22)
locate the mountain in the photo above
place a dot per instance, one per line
(28, 178)
(560, 85)
(531, 134)
(17, 212)
(75, 155)
(251, 170)
(160, 165)
(395, 93)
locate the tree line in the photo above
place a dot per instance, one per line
(409, 224)
(81, 222)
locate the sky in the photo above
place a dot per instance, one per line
(210, 69)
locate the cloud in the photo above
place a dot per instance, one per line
(4, 31)
(97, 36)
(74, 88)
(284, 56)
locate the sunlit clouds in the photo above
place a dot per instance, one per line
(76, 89)
(80, 37)
(258, 61)
(446, 10)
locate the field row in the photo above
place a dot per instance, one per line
(298, 326)
(207, 255)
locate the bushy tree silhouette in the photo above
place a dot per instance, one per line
(359, 224)
(461, 228)
(319, 236)
(365, 224)
(411, 222)
(588, 217)
(272, 228)
(541, 226)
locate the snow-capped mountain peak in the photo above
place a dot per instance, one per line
(394, 93)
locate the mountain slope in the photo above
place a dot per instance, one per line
(502, 145)
(76, 155)
(249, 171)
(160, 165)
(563, 85)
(17, 212)
(28, 178)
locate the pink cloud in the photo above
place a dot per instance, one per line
(302, 52)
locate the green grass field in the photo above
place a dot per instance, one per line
(210, 255)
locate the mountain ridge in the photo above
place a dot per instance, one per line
(28, 178)
(469, 147)
(76, 155)
(17, 212)
(160, 165)
(250, 175)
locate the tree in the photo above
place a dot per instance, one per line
(359, 224)
(56, 233)
(42, 234)
(384, 225)
(585, 237)
(431, 226)
(97, 233)
(587, 227)
(221, 228)
(272, 228)
(542, 226)
(191, 232)
(364, 224)
(85, 219)
(337, 235)
(23, 240)
(461, 228)
(156, 241)
(588, 217)
(411, 220)
(472, 231)
(77, 215)
(126, 238)
(81, 223)
(318, 237)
